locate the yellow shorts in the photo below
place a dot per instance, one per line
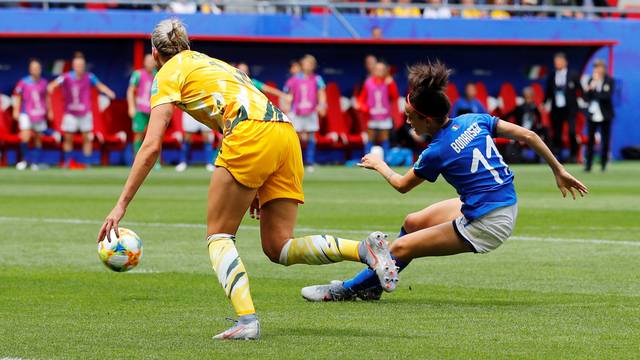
(265, 155)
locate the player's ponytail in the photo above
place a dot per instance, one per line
(170, 37)
(427, 84)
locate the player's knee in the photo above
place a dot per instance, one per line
(411, 223)
(399, 249)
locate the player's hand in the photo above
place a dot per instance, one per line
(132, 112)
(111, 223)
(254, 209)
(50, 115)
(16, 115)
(370, 161)
(568, 184)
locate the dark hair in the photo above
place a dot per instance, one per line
(427, 84)
(34, 59)
(78, 55)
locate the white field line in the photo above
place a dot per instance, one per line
(304, 229)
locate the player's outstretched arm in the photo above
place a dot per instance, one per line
(144, 161)
(402, 183)
(565, 181)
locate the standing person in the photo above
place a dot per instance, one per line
(76, 89)
(138, 99)
(377, 95)
(462, 150)
(30, 110)
(562, 93)
(469, 103)
(259, 169)
(191, 127)
(599, 96)
(309, 102)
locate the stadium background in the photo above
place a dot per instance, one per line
(515, 51)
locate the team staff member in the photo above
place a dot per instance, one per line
(30, 110)
(562, 93)
(76, 89)
(138, 99)
(599, 94)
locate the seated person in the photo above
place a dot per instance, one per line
(469, 103)
(528, 116)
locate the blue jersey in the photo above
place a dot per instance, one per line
(464, 153)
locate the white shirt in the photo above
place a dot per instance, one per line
(561, 77)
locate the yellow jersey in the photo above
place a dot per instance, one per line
(212, 91)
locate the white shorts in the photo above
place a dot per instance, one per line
(72, 123)
(24, 123)
(487, 232)
(191, 125)
(306, 123)
(384, 124)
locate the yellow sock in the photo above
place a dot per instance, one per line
(231, 273)
(318, 250)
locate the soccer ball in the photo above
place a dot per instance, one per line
(123, 253)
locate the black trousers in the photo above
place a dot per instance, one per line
(558, 117)
(605, 136)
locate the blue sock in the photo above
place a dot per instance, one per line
(385, 146)
(367, 278)
(367, 147)
(311, 149)
(86, 159)
(208, 153)
(66, 157)
(184, 151)
(24, 151)
(35, 155)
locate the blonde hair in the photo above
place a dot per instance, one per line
(310, 58)
(170, 37)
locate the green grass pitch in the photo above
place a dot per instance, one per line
(567, 285)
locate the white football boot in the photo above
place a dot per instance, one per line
(379, 260)
(334, 291)
(22, 165)
(241, 331)
(181, 167)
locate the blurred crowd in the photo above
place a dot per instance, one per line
(436, 9)
(374, 112)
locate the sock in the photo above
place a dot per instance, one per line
(35, 155)
(319, 250)
(367, 147)
(367, 278)
(184, 152)
(66, 157)
(385, 147)
(86, 159)
(311, 149)
(136, 146)
(208, 153)
(231, 272)
(24, 151)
